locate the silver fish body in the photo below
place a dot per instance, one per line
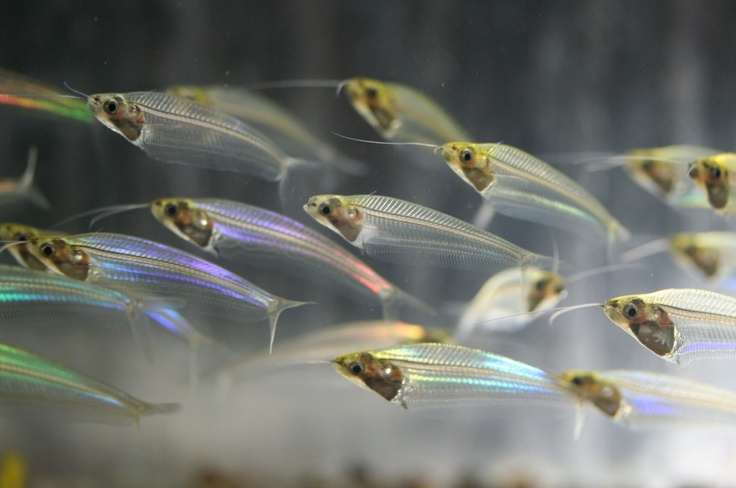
(394, 230)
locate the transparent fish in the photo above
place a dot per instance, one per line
(177, 130)
(400, 113)
(279, 124)
(138, 266)
(432, 375)
(711, 255)
(30, 298)
(507, 302)
(326, 343)
(13, 190)
(662, 171)
(644, 399)
(28, 380)
(678, 325)
(21, 91)
(265, 238)
(16, 232)
(519, 185)
(714, 176)
(394, 230)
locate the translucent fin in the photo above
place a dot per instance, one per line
(274, 310)
(484, 215)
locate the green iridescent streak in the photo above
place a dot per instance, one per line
(67, 108)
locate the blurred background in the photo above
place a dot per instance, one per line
(560, 79)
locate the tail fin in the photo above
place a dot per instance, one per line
(274, 310)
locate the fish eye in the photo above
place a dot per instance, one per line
(630, 310)
(47, 249)
(371, 93)
(20, 236)
(171, 209)
(110, 106)
(715, 172)
(466, 155)
(325, 209)
(356, 368)
(577, 380)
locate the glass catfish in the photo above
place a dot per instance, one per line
(134, 265)
(264, 238)
(177, 130)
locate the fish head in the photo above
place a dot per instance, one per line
(191, 92)
(368, 371)
(647, 322)
(117, 114)
(60, 256)
(587, 385)
(685, 246)
(545, 290)
(712, 174)
(375, 102)
(471, 163)
(336, 213)
(21, 233)
(186, 220)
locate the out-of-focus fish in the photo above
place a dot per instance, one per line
(709, 254)
(26, 93)
(177, 130)
(434, 375)
(394, 230)
(508, 301)
(522, 186)
(13, 190)
(326, 343)
(714, 175)
(643, 399)
(279, 124)
(20, 233)
(135, 265)
(13, 471)
(400, 113)
(261, 237)
(28, 380)
(679, 325)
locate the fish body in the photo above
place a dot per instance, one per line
(645, 399)
(276, 122)
(30, 380)
(395, 230)
(177, 130)
(436, 374)
(678, 325)
(507, 301)
(712, 254)
(146, 268)
(262, 237)
(401, 113)
(520, 185)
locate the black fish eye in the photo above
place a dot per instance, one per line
(47, 249)
(466, 155)
(111, 106)
(630, 310)
(356, 368)
(21, 237)
(371, 93)
(715, 172)
(577, 380)
(325, 209)
(171, 209)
